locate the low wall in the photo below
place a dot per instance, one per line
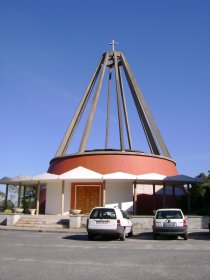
(144, 222)
(9, 219)
(194, 222)
(140, 222)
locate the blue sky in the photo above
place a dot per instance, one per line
(49, 50)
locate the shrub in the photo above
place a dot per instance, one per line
(8, 211)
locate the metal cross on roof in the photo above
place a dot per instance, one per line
(113, 43)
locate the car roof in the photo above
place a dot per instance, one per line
(169, 209)
(100, 207)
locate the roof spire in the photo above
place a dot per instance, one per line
(113, 43)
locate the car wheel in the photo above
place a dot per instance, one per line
(130, 234)
(90, 236)
(185, 236)
(154, 235)
(123, 235)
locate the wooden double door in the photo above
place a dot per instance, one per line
(85, 196)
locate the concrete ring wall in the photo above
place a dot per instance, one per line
(104, 163)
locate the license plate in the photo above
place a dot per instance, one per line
(102, 221)
(169, 224)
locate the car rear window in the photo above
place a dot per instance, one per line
(103, 214)
(173, 214)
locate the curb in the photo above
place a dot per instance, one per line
(78, 230)
(40, 229)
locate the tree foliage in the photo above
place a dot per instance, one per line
(200, 195)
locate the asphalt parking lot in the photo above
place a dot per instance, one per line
(44, 255)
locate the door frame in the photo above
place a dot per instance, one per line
(73, 191)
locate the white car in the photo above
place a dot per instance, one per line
(169, 222)
(109, 221)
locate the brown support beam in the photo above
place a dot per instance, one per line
(188, 198)
(164, 196)
(6, 196)
(153, 197)
(174, 195)
(37, 198)
(62, 197)
(104, 193)
(19, 195)
(134, 198)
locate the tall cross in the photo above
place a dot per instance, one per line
(113, 43)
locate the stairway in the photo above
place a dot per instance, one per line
(43, 221)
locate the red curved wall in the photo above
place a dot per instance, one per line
(108, 163)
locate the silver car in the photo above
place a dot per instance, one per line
(169, 222)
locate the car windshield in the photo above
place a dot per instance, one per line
(173, 214)
(100, 213)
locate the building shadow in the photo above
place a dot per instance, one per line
(84, 237)
(142, 236)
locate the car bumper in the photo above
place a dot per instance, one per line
(117, 231)
(170, 230)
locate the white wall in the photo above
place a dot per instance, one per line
(119, 194)
(53, 198)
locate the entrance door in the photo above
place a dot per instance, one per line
(85, 196)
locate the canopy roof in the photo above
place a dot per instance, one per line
(182, 179)
(5, 180)
(150, 178)
(45, 177)
(119, 176)
(81, 173)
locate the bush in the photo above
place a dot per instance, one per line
(10, 205)
(8, 211)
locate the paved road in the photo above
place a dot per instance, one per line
(42, 255)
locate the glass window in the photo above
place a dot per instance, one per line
(99, 213)
(174, 214)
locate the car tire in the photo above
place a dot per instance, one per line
(185, 236)
(154, 236)
(130, 234)
(90, 236)
(123, 235)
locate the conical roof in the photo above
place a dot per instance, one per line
(114, 92)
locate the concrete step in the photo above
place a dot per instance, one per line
(43, 221)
